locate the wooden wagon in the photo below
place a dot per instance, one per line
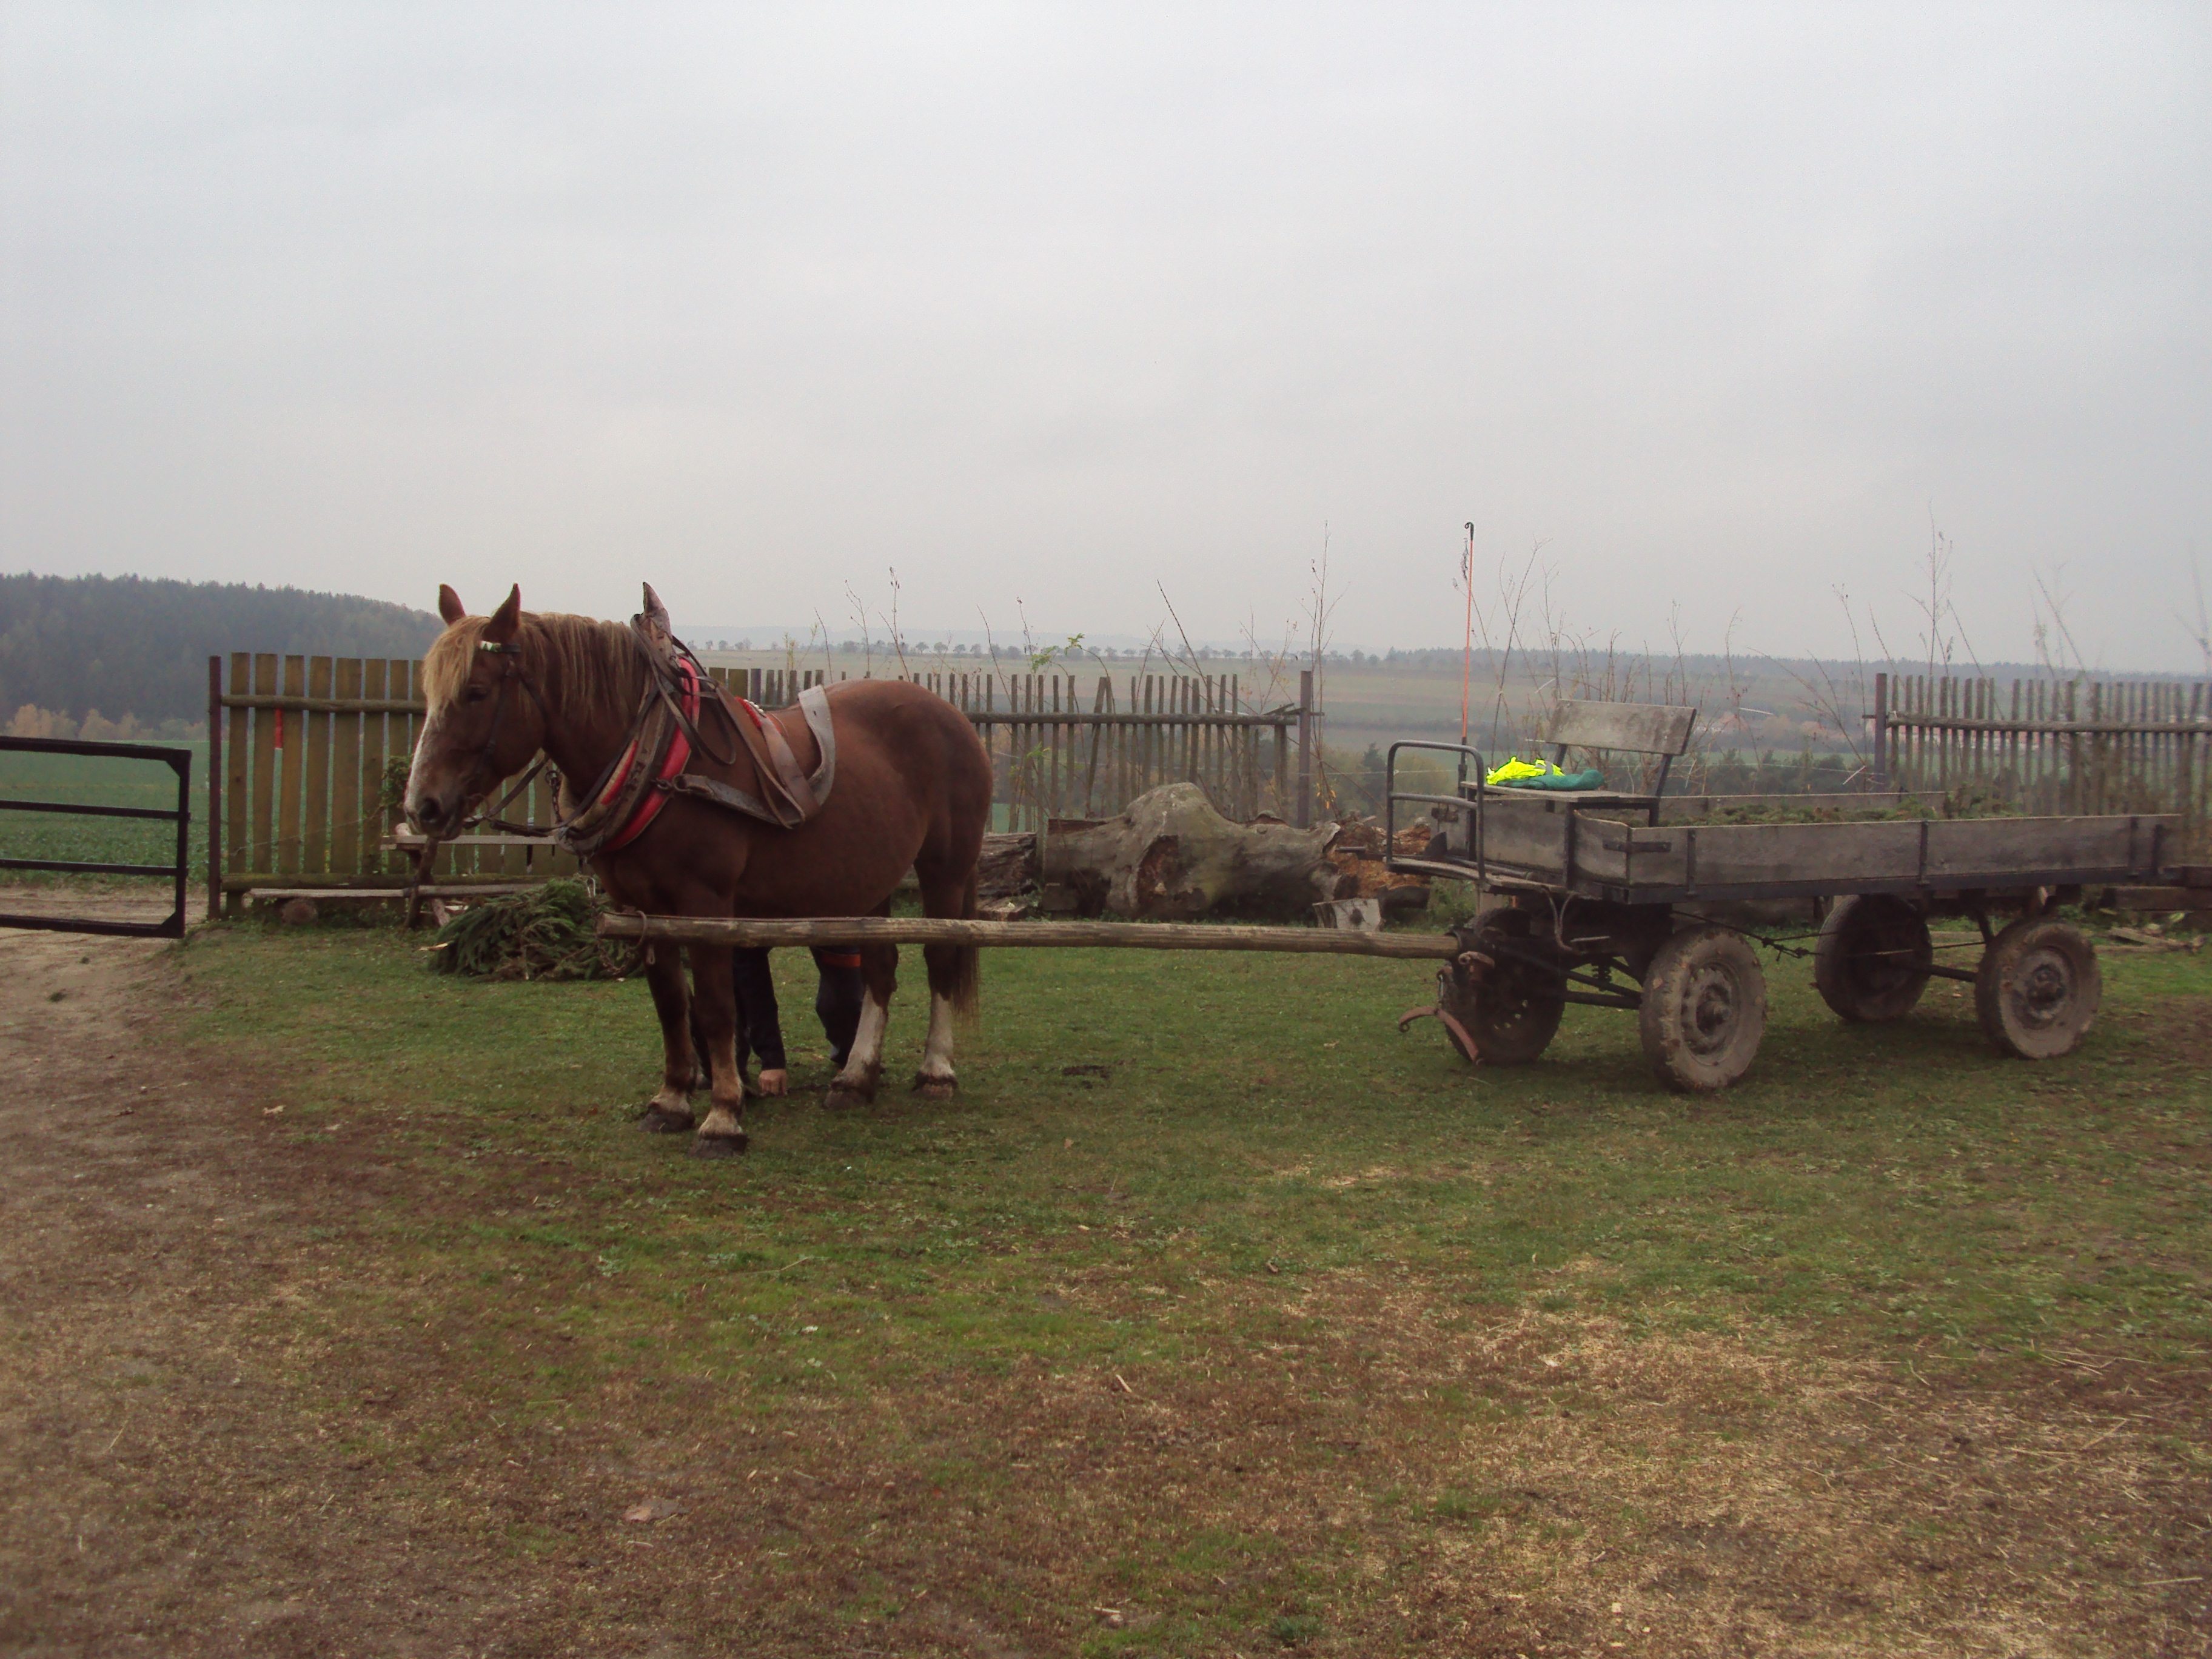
(1595, 900)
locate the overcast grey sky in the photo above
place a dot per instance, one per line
(1058, 303)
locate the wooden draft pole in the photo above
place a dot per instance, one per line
(747, 933)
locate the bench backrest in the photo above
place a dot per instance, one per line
(1641, 728)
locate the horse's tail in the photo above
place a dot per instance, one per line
(968, 965)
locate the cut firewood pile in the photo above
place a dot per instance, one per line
(1008, 866)
(1358, 851)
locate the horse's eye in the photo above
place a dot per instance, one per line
(475, 693)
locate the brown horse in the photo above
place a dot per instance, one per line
(912, 788)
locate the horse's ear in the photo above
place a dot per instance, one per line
(508, 618)
(656, 614)
(449, 605)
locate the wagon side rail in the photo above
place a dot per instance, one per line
(1912, 858)
(1465, 801)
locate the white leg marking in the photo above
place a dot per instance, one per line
(866, 1062)
(937, 1053)
(726, 1117)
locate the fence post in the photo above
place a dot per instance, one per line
(214, 787)
(1882, 731)
(1303, 817)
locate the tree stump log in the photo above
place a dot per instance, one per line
(1169, 856)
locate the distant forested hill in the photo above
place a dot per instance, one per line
(129, 645)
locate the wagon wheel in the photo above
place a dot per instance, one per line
(1705, 1008)
(1514, 1010)
(1873, 959)
(2037, 988)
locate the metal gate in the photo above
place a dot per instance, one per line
(178, 760)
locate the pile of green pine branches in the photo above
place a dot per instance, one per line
(544, 933)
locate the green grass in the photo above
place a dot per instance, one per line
(1261, 1117)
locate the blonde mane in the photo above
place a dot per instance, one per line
(577, 662)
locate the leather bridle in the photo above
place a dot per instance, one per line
(486, 761)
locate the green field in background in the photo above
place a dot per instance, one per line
(98, 780)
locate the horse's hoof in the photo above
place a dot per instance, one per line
(717, 1146)
(935, 1088)
(840, 1098)
(659, 1120)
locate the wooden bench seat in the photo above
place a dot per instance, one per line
(1632, 729)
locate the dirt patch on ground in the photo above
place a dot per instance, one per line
(207, 1451)
(159, 1486)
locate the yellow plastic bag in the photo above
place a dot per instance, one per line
(1515, 768)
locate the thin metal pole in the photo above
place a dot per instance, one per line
(214, 791)
(1466, 649)
(184, 834)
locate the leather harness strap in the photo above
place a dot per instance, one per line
(785, 803)
(669, 727)
(665, 733)
(783, 773)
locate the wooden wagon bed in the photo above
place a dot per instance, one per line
(1593, 850)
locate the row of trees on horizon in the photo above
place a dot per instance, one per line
(71, 646)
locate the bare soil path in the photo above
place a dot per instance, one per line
(164, 1491)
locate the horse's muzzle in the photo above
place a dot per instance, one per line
(428, 814)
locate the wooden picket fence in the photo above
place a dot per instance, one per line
(1062, 751)
(307, 756)
(2065, 747)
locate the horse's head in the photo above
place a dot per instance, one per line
(485, 719)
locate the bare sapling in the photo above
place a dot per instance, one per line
(1942, 634)
(1320, 607)
(2201, 634)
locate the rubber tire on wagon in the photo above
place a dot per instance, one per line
(2037, 988)
(1704, 1009)
(1872, 962)
(1514, 1012)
